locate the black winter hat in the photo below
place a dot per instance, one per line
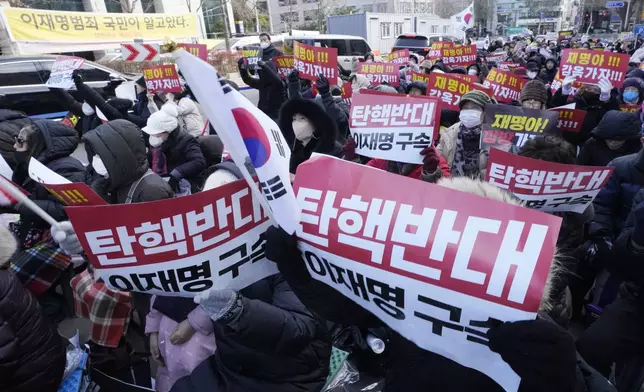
(417, 84)
(141, 82)
(634, 82)
(326, 129)
(618, 125)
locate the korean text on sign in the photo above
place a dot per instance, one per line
(590, 67)
(252, 54)
(432, 263)
(75, 194)
(505, 125)
(180, 246)
(547, 186)
(197, 50)
(506, 85)
(459, 56)
(570, 120)
(558, 81)
(379, 73)
(393, 127)
(496, 58)
(312, 61)
(447, 89)
(628, 108)
(435, 50)
(399, 56)
(419, 77)
(32, 25)
(162, 78)
(62, 70)
(284, 65)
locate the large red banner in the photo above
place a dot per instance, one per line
(312, 61)
(506, 85)
(547, 186)
(379, 73)
(590, 66)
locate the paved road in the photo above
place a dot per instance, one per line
(251, 94)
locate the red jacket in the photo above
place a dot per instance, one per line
(416, 172)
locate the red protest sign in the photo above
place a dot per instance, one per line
(347, 93)
(162, 78)
(177, 246)
(468, 78)
(75, 194)
(435, 50)
(505, 125)
(508, 66)
(547, 186)
(419, 77)
(284, 65)
(565, 34)
(459, 56)
(447, 89)
(197, 50)
(393, 126)
(496, 57)
(378, 73)
(625, 107)
(570, 120)
(399, 56)
(70, 120)
(312, 61)
(590, 67)
(506, 85)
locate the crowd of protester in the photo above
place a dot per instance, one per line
(278, 333)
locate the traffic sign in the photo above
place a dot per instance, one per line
(614, 4)
(140, 52)
(638, 30)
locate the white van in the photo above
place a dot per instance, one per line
(348, 46)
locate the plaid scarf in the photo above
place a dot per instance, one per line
(466, 158)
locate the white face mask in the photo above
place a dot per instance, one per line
(615, 144)
(156, 141)
(470, 117)
(369, 61)
(87, 109)
(99, 166)
(264, 45)
(303, 130)
(531, 74)
(472, 71)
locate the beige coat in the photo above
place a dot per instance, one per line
(447, 148)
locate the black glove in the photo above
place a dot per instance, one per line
(323, 84)
(539, 351)
(294, 76)
(174, 183)
(280, 246)
(261, 63)
(78, 79)
(241, 63)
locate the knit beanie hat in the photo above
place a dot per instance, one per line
(165, 120)
(475, 96)
(633, 82)
(534, 89)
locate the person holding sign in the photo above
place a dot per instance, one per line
(40, 262)
(632, 92)
(540, 352)
(460, 143)
(595, 100)
(534, 95)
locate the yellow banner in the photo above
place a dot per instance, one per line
(31, 25)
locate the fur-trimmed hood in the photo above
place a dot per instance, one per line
(8, 246)
(489, 191)
(326, 130)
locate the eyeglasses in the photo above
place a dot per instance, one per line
(20, 142)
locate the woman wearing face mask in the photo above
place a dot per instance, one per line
(369, 58)
(184, 160)
(632, 91)
(616, 135)
(312, 128)
(596, 100)
(190, 119)
(475, 71)
(459, 144)
(50, 143)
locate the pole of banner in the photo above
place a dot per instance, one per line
(21, 198)
(626, 18)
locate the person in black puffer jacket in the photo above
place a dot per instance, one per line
(32, 353)
(550, 71)
(308, 124)
(180, 150)
(118, 158)
(11, 122)
(51, 143)
(272, 91)
(616, 135)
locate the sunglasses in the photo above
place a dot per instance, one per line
(20, 142)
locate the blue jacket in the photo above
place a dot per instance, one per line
(613, 203)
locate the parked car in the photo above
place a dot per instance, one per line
(23, 78)
(348, 46)
(420, 44)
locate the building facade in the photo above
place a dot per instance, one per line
(540, 16)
